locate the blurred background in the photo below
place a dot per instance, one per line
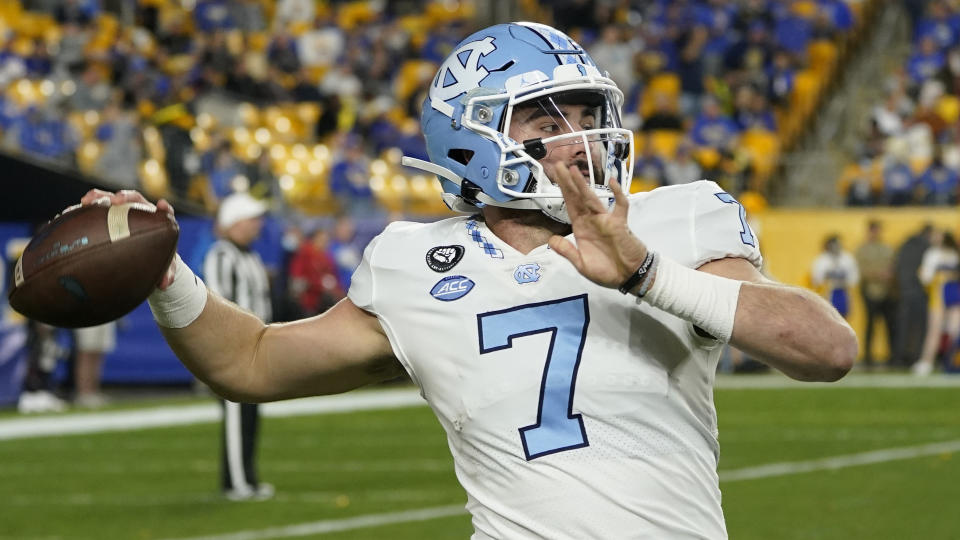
(836, 124)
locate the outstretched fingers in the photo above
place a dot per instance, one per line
(621, 201)
(567, 250)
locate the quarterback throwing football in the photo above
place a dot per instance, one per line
(565, 334)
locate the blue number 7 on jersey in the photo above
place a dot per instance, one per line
(557, 428)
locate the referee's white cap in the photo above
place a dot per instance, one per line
(237, 207)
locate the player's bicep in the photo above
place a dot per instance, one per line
(340, 350)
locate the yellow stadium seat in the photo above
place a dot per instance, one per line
(764, 150)
(753, 202)
(88, 155)
(823, 56)
(643, 184)
(948, 108)
(664, 142)
(707, 157)
(413, 74)
(804, 8)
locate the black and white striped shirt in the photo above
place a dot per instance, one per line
(239, 276)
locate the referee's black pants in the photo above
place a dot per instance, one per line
(241, 422)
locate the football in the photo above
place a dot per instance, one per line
(93, 264)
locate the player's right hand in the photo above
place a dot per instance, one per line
(98, 196)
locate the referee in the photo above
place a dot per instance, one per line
(234, 271)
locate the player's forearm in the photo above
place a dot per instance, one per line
(220, 349)
(244, 360)
(793, 330)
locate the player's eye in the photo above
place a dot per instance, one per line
(549, 128)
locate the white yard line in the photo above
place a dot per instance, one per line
(735, 475)
(776, 381)
(840, 462)
(72, 424)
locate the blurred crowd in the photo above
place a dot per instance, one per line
(312, 103)
(911, 154)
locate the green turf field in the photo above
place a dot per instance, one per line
(160, 483)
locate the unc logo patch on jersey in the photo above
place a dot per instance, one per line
(460, 73)
(527, 273)
(452, 288)
(443, 258)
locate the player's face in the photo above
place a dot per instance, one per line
(546, 118)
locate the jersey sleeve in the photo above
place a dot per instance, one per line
(361, 291)
(720, 227)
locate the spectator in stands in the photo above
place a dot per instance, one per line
(939, 183)
(781, 76)
(911, 322)
(860, 191)
(350, 177)
(39, 62)
(690, 68)
(664, 114)
(213, 15)
(941, 25)
(888, 117)
(614, 50)
(72, 12)
(752, 110)
(313, 275)
(940, 273)
(925, 63)
(898, 183)
(649, 167)
(791, 32)
(682, 168)
(226, 168)
(875, 261)
(93, 89)
(834, 273)
(751, 56)
(837, 15)
(712, 128)
(120, 135)
(290, 12)
(248, 15)
(282, 53)
(344, 249)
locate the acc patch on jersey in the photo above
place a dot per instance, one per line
(452, 288)
(443, 258)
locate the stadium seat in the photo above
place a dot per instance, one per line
(664, 142)
(822, 55)
(764, 150)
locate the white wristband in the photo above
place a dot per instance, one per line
(706, 300)
(181, 303)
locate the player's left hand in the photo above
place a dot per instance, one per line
(606, 252)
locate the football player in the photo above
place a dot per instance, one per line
(565, 334)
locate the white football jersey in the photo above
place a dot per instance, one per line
(572, 411)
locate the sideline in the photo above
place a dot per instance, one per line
(748, 473)
(182, 415)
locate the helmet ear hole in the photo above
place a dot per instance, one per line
(460, 155)
(469, 191)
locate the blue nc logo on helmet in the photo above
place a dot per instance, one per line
(460, 73)
(452, 288)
